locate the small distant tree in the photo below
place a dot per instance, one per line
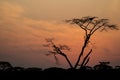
(5, 65)
(89, 25)
(102, 66)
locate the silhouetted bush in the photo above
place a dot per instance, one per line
(5, 66)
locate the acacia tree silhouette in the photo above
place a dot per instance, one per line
(89, 25)
(102, 66)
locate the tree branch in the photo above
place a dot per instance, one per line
(84, 60)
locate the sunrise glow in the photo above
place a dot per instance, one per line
(24, 25)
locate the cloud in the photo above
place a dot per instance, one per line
(112, 11)
(21, 36)
(10, 10)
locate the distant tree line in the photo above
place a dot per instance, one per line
(6, 66)
(101, 71)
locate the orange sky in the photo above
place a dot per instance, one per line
(24, 24)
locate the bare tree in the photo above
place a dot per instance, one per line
(89, 25)
(57, 49)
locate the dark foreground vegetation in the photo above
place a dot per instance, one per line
(102, 71)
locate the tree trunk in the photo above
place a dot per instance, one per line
(82, 51)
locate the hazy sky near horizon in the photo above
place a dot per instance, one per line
(24, 24)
